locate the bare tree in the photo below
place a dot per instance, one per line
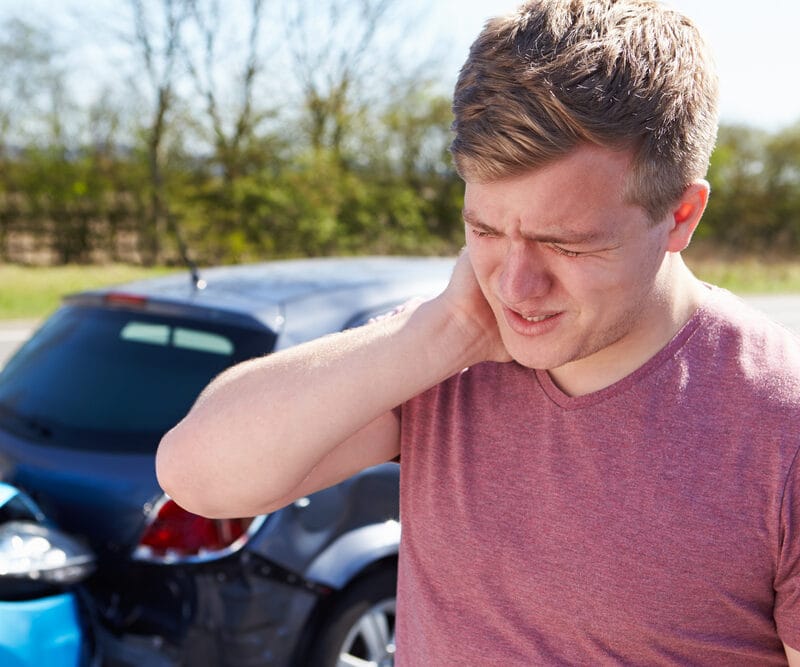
(232, 126)
(37, 135)
(330, 41)
(157, 40)
(33, 89)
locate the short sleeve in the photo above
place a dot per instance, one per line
(787, 576)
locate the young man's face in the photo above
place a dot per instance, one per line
(571, 271)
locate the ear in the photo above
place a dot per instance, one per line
(686, 213)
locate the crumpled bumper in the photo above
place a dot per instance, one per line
(238, 612)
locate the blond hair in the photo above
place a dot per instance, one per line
(624, 74)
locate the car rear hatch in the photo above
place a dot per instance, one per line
(85, 401)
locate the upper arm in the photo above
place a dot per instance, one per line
(378, 442)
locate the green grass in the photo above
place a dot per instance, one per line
(747, 274)
(752, 277)
(34, 292)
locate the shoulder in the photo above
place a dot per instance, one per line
(759, 353)
(482, 384)
(748, 332)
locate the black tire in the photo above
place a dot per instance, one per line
(360, 624)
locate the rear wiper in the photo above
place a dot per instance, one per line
(31, 425)
(38, 427)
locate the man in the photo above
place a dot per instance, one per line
(597, 450)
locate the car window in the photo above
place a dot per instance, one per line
(99, 378)
(180, 337)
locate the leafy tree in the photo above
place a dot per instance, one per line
(782, 176)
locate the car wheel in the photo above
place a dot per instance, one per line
(359, 629)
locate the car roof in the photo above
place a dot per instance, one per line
(265, 290)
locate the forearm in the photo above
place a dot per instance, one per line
(260, 428)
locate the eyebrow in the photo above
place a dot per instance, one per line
(567, 236)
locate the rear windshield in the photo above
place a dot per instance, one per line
(116, 380)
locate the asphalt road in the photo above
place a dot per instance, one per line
(784, 308)
(12, 334)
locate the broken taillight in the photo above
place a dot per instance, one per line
(173, 534)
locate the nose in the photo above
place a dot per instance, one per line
(525, 276)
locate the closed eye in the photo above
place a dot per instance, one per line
(481, 233)
(564, 251)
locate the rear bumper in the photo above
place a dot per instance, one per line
(45, 631)
(229, 613)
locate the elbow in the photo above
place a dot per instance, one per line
(171, 473)
(180, 475)
(192, 471)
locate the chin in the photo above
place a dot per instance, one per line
(537, 359)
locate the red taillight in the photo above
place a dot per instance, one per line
(177, 534)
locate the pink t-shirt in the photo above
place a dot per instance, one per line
(654, 522)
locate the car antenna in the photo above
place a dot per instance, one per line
(197, 281)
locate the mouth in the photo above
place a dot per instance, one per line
(532, 325)
(537, 318)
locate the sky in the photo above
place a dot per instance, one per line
(756, 46)
(755, 43)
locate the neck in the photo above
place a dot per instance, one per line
(675, 296)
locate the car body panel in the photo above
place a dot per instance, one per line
(295, 536)
(44, 631)
(351, 552)
(267, 290)
(45, 626)
(67, 483)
